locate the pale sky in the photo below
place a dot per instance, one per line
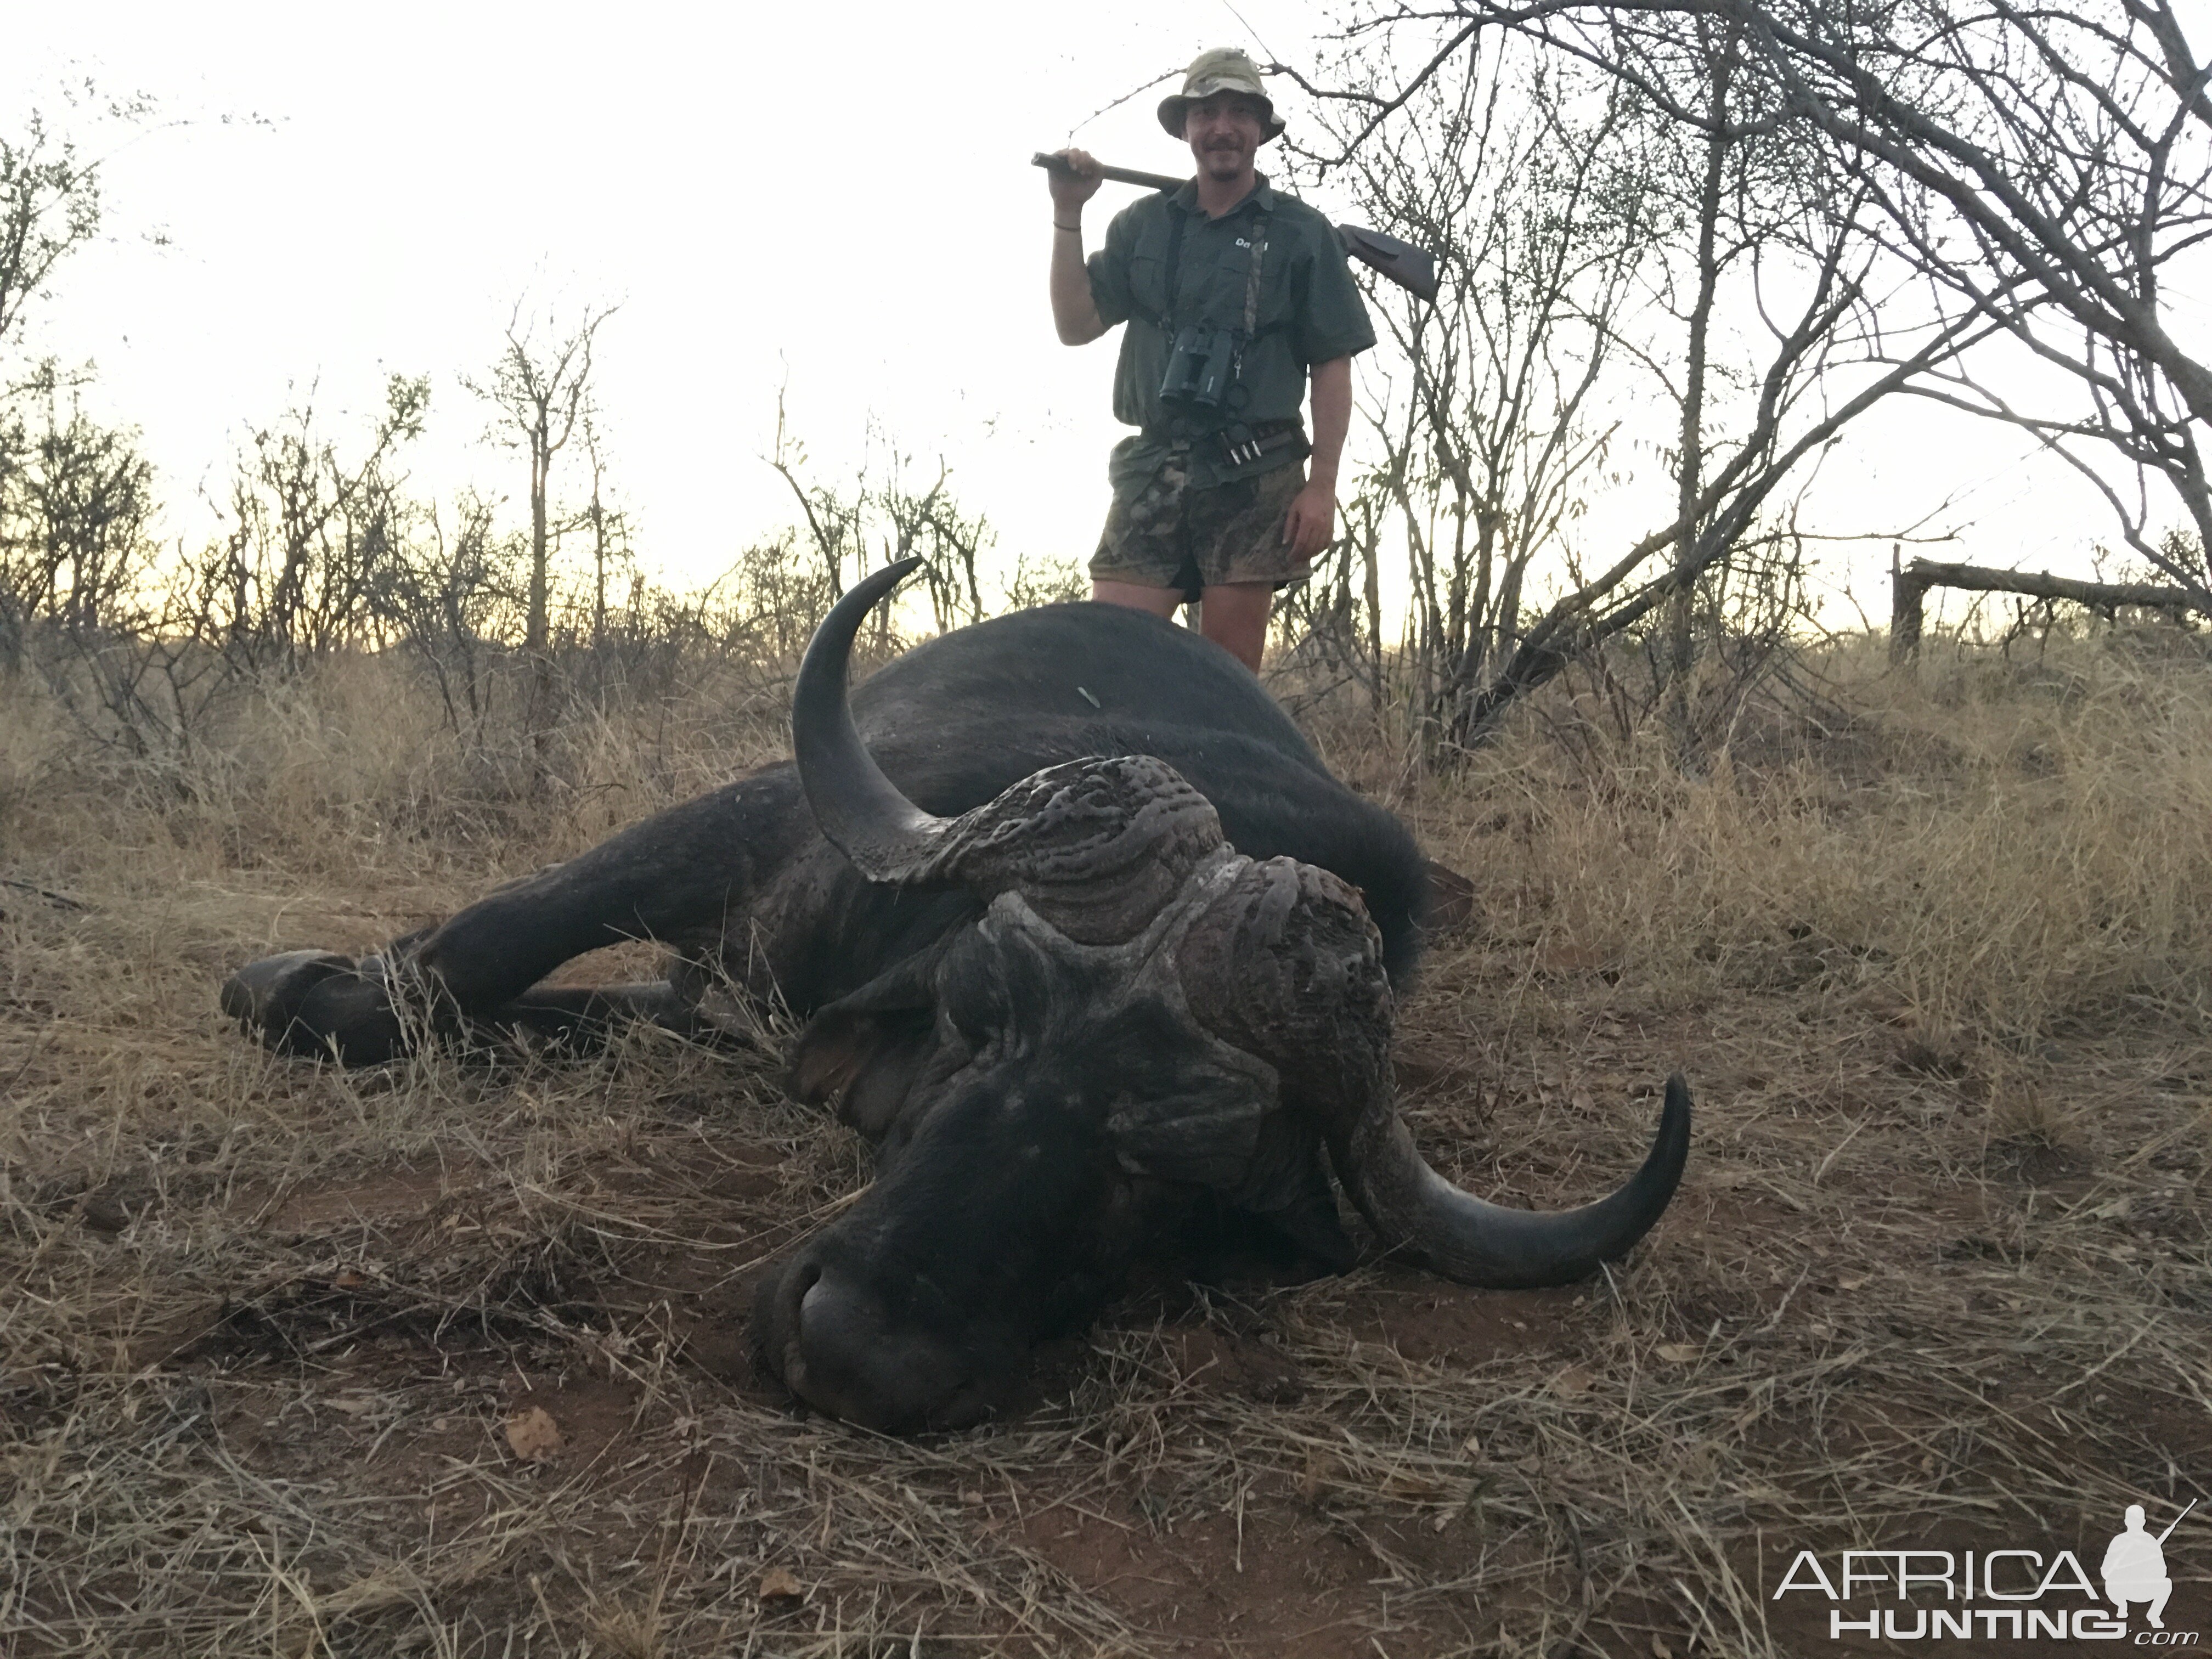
(835, 198)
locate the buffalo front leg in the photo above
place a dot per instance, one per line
(579, 1019)
(688, 876)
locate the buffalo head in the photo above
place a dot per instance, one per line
(1139, 1022)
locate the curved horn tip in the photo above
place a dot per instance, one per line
(878, 583)
(1674, 1114)
(1496, 1246)
(1651, 1190)
(1670, 1145)
(856, 807)
(832, 634)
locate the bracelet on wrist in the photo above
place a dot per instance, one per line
(1077, 229)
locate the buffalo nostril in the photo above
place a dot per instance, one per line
(829, 1355)
(795, 1288)
(780, 1303)
(844, 1355)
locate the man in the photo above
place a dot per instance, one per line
(1233, 292)
(2134, 1569)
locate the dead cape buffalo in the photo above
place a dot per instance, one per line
(1090, 941)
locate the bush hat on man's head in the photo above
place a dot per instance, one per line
(1223, 69)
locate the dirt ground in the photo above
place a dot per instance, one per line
(449, 1358)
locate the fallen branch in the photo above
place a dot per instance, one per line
(1909, 588)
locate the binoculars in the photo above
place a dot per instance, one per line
(1201, 368)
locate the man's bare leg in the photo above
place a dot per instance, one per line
(1160, 601)
(1234, 616)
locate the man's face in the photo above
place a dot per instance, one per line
(1225, 132)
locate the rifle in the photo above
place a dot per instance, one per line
(2176, 1522)
(1413, 269)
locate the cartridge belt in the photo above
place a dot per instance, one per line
(1267, 437)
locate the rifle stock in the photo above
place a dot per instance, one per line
(1119, 175)
(1411, 268)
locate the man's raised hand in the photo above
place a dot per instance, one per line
(1075, 182)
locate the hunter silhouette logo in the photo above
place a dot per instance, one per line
(2134, 1566)
(2003, 1595)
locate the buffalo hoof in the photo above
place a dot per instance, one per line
(317, 1002)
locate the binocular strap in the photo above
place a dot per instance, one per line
(1252, 278)
(1172, 320)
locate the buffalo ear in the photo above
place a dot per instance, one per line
(864, 1060)
(864, 1049)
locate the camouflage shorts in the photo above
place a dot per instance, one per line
(1165, 534)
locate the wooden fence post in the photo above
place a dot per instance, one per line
(1908, 593)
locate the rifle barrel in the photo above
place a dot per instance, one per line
(2176, 1522)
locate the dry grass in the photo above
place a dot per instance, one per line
(1935, 953)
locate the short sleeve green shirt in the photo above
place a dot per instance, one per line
(1309, 309)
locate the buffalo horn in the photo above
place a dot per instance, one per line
(1286, 964)
(862, 813)
(1476, 1243)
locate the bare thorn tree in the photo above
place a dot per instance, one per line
(1481, 407)
(610, 531)
(832, 520)
(76, 507)
(2049, 168)
(49, 206)
(883, 507)
(1737, 269)
(541, 386)
(296, 571)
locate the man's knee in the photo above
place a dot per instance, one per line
(1234, 616)
(2122, 1591)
